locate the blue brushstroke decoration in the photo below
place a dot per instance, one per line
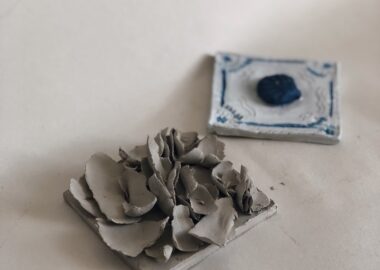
(278, 89)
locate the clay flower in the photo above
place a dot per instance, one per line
(175, 193)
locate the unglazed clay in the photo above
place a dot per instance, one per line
(173, 196)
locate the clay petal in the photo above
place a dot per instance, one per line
(210, 145)
(161, 253)
(160, 142)
(225, 177)
(173, 177)
(131, 240)
(127, 160)
(146, 169)
(181, 225)
(202, 202)
(209, 152)
(165, 133)
(162, 250)
(139, 200)
(139, 152)
(165, 199)
(259, 200)
(217, 227)
(102, 176)
(179, 145)
(161, 166)
(189, 140)
(200, 199)
(248, 198)
(79, 190)
(194, 157)
(203, 176)
(187, 179)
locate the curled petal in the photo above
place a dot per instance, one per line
(146, 169)
(259, 200)
(217, 227)
(81, 193)
(181, 224)
(172, 180)
(243, 192)
(203, 176)
(162, 250)
(127, 160)
(225, 177)
(165, 134)
(160, 253)
(201, 201)
(209, 152)
(102, 176)
(187, 179)
(165, 199)
(161, 166)
(139, 152)
(131, 240)
(248, 198)
(139, 199)
(189, 140)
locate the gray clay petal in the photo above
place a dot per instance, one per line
(165, 199)
(173, 177)
(203, 176)
(131, 240)
(146, 169)
(259, 200)
(139, 199)
(160, 142)
(243, 192)
(187, 179)
(87, 192)
(179, 145)
(189, 140)
(160, 253)
(225, 177)
(102, 176)
(202, 202)
(182, 200)
(243, 195)
(181, 225)
(127, 160)
(82, 194)
(209, 152)
(161, 166)
(165, 134)
(210, 145)
(194, 157)
(162, 250)
(217, 227)
(139, 152)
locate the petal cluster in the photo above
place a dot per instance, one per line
(173, 193)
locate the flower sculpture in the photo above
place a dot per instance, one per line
(173, 193)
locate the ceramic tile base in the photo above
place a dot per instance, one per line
(179, 260)
(236, 109)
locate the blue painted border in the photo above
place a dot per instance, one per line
(285, 125)
(315, 73)
(316, 124)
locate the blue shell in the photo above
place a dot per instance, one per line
(278, 89)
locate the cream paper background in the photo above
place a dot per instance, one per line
(81, 76)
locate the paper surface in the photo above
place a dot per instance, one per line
(76, 78)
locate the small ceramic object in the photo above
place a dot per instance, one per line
(170, 203)
(238, 110)
(278, 89)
